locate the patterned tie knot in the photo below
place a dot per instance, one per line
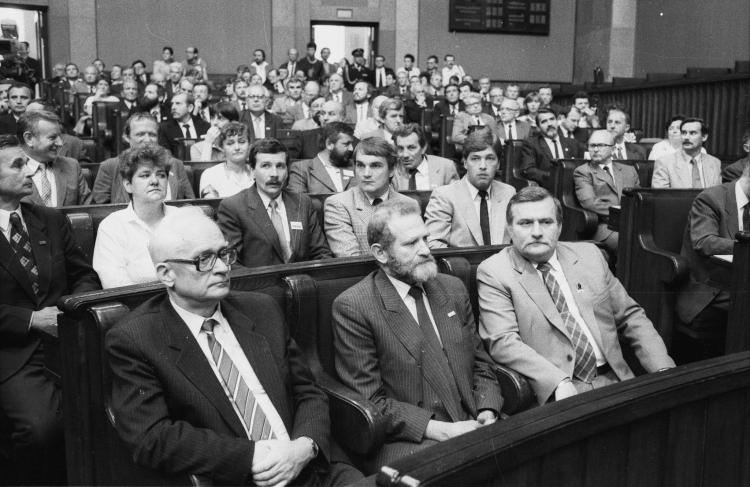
(482, 194)
(544, 267)
(208, 326)
(416, 293)
(15, 220)
(273, 204)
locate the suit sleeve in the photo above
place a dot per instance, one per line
(339, 231)
(733, 171)
(294, 149)
(229, 223)
(660, 178)
(459, 130)
(297, 178)
(705, 222)
(439, 218)
(450, 173)
(498, 327)
(185, 187)
(103, 184)
(357, 367)
(585, 192)
(318, 245)
(529, 167)
(84, 193)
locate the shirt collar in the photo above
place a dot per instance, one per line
(266, 200)
(5, 218)
(474, 191)
(553, 262)
(424, 168)
(194, 321)
(33, 164)
(262, 117)
(325, 159)
(742, 199)
(402, 288)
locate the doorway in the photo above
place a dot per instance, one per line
(342, 39)
(24, 25)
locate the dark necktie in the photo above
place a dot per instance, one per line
(21, 245)
(187, 130)
(256, 422)
(484, 218)
(453, 109)
(696, 174)
(585, 366)
(609, 174)
(413, 179)
(619, 154)
(746, 218)
(244, 106)
(476, 120)
(557, 152)
(376, 201)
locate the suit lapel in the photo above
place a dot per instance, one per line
(684, 172)
(292, 215)
(363, 206)
(731, 217)
(435, 171)
(59, 183)
(602, 176)
(318, 171)
(497, 215)
(542, 142)
(466, 204)
(259, 214)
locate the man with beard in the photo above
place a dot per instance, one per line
(202, 93)
(540, 149)
(407, 310)
(267, 225)
(260, 64)
(416, 170)
(331, 171)
(152, 101)
(392, 114)
(313, 122)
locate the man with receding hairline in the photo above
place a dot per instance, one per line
(332, 111)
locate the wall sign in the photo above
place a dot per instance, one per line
(529, 17)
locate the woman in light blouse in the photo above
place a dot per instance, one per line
(235, 174)
(208, 149)
(121, 256)
(673, 142)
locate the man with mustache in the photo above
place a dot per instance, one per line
(331, 171)
(689, 167)
(405, 338)
(540, 149)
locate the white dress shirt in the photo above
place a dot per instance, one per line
(121, 256)
(218, 178)
(191, 132)
(37, 178)
(334, 172)
(281, 208)
(551, 143)
(259, 126)
(474, 192)
(557, 273)
(422, 177)
(403, 291)
(362, 111)
(611, 170)
(5, 221)
(741, 202)
(225, 336)
(379, 77)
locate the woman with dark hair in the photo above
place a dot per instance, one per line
(121, 256)
(673, 142)
(235, 174)
(531, 105)
(162, 65)
(209, 149)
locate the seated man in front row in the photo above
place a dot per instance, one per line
(471, 211)
(210, 383)
(553, 311)
(405, 338)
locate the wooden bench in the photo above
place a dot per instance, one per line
(512, 158)
(107, 130)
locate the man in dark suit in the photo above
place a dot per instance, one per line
(141, 76)
(381, 72)
(210, 383)
(129, 102)
(421, 363)
(336, 91)
(19, 96)
(599, 184)
(567, 124)
(618, 123)
(267, 225)
(545, 96)
(733, 171)
(496, 99)
(331, 170)
(357, 71)
(292, 64)
(312, 67)
(183, 124)
(262, 122)
(539, 150)
(447, 108)
(58, 181)
(718, 213)
(554, 312)
(39, 262)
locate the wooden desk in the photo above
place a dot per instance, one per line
(614, 218)
(721, 271)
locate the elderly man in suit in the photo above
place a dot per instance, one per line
(183, 124)
(210, 383)
(331, 171)
(450, 107)
(40, 263)
(391, 114)
(471, 211)
(599, 184)
(347, 214)
(400, 87)
(262, 123)
(336, 91)
(407, 310)
(688, 168)
(58, 181)
(618, 124)
(718, 213)
(471, 119)
(266, 224)
(539, 150)
(140, 129)
(553, 311)
(508, 127)
(416, 170)
(492, 107)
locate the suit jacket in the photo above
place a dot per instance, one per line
(452, 218)
(170, 131)
(171, 409)
(283, 106)
(355, 72)
(712, 223)
(313, 70)
(297, 113)
(733, 171)
(580, 135)
(442, 171)
(523, 130)
(247, 227)
(675, 171)
(310, 176)
(346, 97)
(441, 111)
(374, 74)
(522, 328)
(596, 192)
(381, 353)
(633, 152)
(347, 215)
(274, 123)
(463, 121)
(8, 125)
(72, 189)
(412, 111)
(108, 186)
(63, 270)
(128, 111)
(395, 90)
(537, 157)
(72, 147)
(378, 133)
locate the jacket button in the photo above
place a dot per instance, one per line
(570, 357)
(420, 404)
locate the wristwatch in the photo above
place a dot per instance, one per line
(314, 446)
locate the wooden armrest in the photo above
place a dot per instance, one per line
(584, 221)
(672, 269)
(355, 422)
(518, 394)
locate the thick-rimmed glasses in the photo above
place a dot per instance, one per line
(599, 146)
(207, 260)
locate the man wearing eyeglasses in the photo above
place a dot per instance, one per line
(210, 383)
(599, 184)
(507, 126)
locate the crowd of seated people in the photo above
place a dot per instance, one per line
(358, 136)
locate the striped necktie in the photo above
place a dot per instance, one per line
(255, 419)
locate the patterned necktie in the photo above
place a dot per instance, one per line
(256, 422)
(21, 245)
(585, 366)
(484, 218)
(46, 186)
(696, 174)
(746, 218)
(413, 179)
(278, 224)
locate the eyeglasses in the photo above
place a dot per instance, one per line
(206, 261)
(256, 97)
(504, 109)
(600, 146)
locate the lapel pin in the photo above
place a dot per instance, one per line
(452, 313)
(579, 287)
(42, 242)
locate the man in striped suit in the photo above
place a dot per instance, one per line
(405, 338)
(210, 383)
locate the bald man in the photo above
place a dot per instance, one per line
(237, 403)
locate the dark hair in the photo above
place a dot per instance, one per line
(580, 94)
(312, 44)
(266, 146)
(16, 85)
(238, 80)
(167, 48)
(390, 104)
(466, 83)
(433, 57)
(675, 118)
(447, 56)
(377, 147)
(139, 117)
(544, 87)
(7, 141)
(565, 111)
(262, 52)
(411, 128)
(542, 111)
(226, 110)
(618, 109)
(71, 64)
(138, 61)
(451, 85)
(532, 194)
(233, 129)
(380, 56)
(409, 57)
(97, 59)
(480, 140)
(160, 91)
(295, 80)
(29, 122)
(148, 154)
(378, 231)
(704, 128)
(202, 83)
(331, 131)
